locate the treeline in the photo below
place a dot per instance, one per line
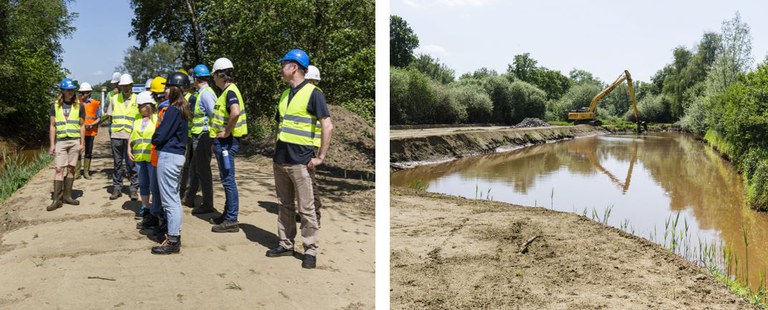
(424, 91)
(338, 36)
(30, 63)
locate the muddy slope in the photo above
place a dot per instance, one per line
(455, 253)
(408, 147)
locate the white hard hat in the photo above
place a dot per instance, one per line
(147, 83)
(125, 79)
(144, 97)
(222, 63)
(312, 73)
(85, 86)
(115, 77)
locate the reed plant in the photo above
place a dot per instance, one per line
(17, 172)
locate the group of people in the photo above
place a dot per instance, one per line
(164, 137)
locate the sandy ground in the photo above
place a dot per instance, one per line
(91, 256)
(455, 253)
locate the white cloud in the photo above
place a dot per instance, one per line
(424, 3)
(434, 50)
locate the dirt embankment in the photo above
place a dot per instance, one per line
(455, 253)
(412, 147)
(91, 256)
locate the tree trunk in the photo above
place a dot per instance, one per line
(196, 32)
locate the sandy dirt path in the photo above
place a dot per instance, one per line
(455, 253)
(91, 256)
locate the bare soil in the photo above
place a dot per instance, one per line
(419, 146)
(456, 253)
(91, 256)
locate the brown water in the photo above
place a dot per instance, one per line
(644, 181)
(27, 155)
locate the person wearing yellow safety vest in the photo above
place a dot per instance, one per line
(141, 147)
(123, 111)
(92, 118)
(155, 219)
(66, 133)
(227, 126)
(299, 109)
(199, 152)
(191, 97)
(114, 90)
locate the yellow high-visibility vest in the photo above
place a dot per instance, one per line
(141, 141)
(296, 125)
(122, 116)
(67, 127)
(221, 115)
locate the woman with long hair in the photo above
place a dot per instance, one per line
(66, 133)
(141, 148)
(170, 141)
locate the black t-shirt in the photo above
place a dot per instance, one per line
(294, 154)
(67, 107)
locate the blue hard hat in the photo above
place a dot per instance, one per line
(202, 70)
(298, 56)
(67, 84)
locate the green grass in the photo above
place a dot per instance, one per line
(16, 173)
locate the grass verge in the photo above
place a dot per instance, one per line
(17, 173)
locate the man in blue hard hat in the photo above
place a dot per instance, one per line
(200, 175)
(299, 109)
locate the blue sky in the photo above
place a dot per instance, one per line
(99, 43)
(602, 37)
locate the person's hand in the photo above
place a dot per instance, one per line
(222, 135)
(82, 148)
(52, 150)
(130, 155)
(313, 163)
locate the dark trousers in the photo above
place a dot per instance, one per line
(185, 175)
(89, 146)
(200, 175)
(120, 156)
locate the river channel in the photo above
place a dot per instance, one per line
(636, 183)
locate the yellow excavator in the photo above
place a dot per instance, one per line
(587, 115)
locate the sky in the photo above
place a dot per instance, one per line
(100, 40)
(602, 37)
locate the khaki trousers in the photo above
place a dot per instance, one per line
(294, 188)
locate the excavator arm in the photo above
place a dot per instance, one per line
(589, 114)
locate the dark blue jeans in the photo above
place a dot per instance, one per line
(232, 203)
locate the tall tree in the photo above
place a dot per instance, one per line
(524, 67)
(734, 55)
(160, 58)
(433, 68)
(172, 20)
(30, 61)
(402, 42)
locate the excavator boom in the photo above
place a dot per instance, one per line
(588, 115)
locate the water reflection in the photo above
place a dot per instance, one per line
(644, 180)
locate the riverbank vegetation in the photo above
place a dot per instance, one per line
(16, 171)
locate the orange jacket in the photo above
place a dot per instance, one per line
(91, 110)
(153, 154)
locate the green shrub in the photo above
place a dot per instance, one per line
(479, 107)
(364, 107)
(650, 109)
(757, 187)
(527, 101)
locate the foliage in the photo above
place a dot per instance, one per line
(158, 59)
(734, 55)
(553, 83)
(578, 96)
(338, 36)
(402, 41)
(433, 68)
(172, 20)
(650, 109)
(478, 104)
(30, 61)
(16, 172)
